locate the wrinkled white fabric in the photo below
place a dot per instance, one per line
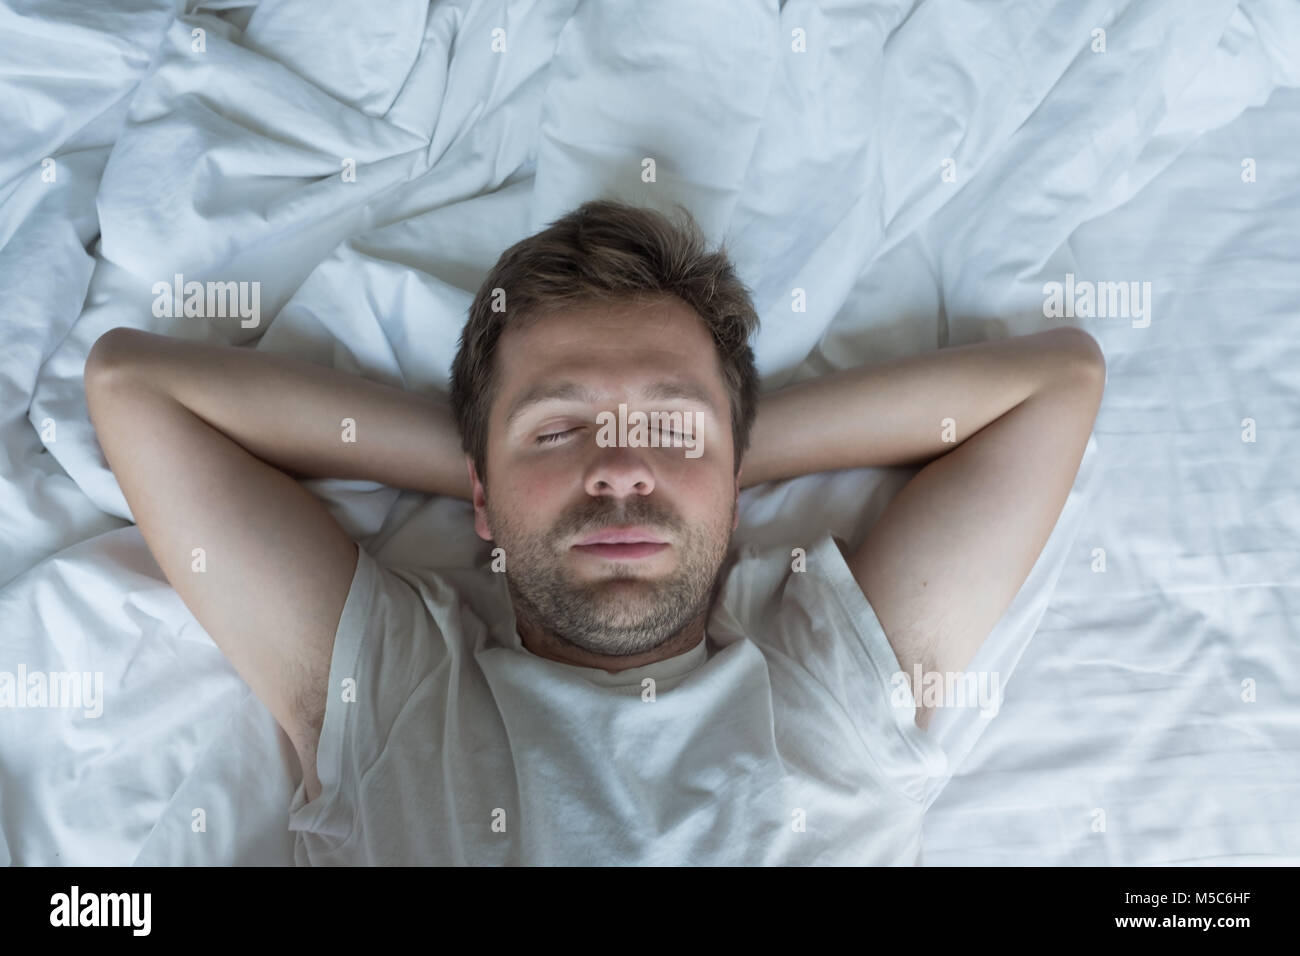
(823, 172)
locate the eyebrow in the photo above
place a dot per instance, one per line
(573, 392)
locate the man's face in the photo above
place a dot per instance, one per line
(554, 481)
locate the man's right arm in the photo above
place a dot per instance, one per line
(203, 441)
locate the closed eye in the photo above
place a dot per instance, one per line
(666, 437)
(553, 437)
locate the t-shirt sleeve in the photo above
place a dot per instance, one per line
(386, 645)
(826, 630)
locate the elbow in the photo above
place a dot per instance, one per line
(109, 356)
(1084, 361)
(108, 365)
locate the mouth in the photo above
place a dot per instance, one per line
(621, 552)
(621, 544)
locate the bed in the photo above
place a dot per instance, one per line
(922, 172)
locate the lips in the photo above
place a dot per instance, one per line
(622, 536)
(621, 552)
(621, 544)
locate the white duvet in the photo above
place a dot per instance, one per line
(919, 170)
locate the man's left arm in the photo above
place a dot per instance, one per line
(999, 428)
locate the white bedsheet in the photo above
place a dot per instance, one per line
(1123, 736)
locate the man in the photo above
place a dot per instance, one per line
(615, 687)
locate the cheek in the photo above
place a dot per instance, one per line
(703, 493)
(527, 498)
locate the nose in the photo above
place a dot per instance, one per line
(619, 472)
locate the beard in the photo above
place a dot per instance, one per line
(625, 610)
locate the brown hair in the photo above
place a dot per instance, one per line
(606, 251)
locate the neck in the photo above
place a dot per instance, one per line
(544, 643)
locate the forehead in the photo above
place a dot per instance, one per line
(612, 347)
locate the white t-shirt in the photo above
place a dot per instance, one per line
(772, 741)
